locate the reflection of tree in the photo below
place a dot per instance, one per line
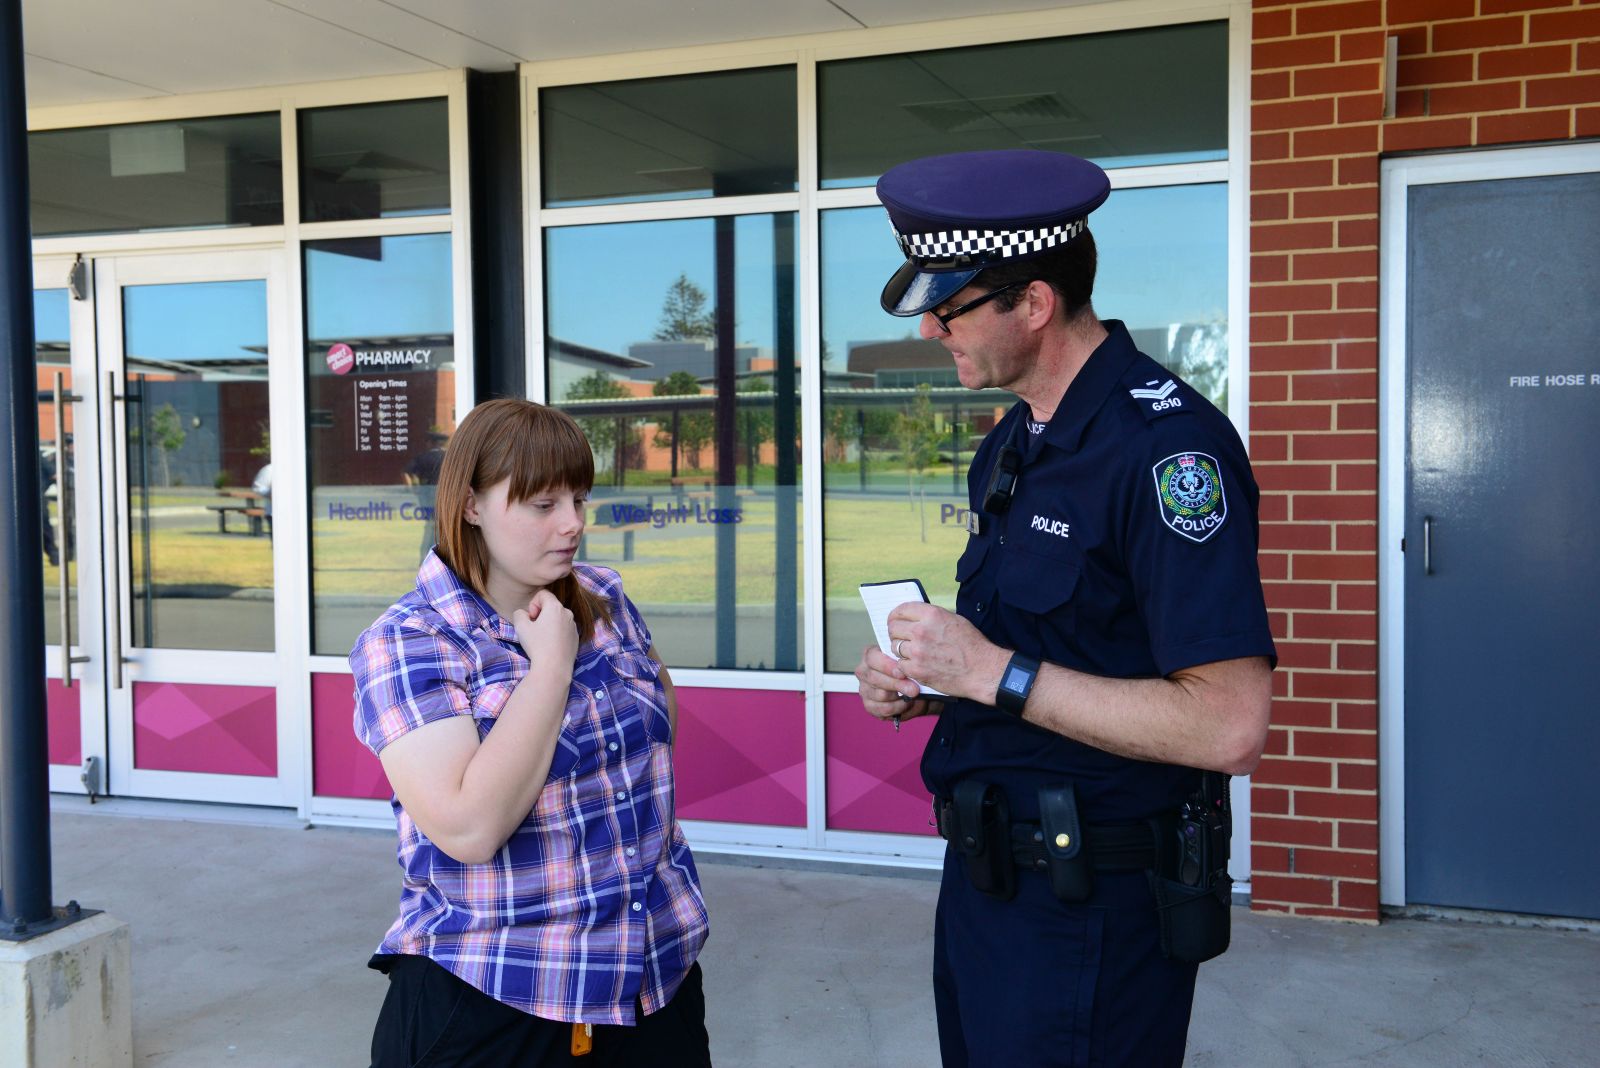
(917, 433)
(755, 425)
(1198, 353)
(167, 435)
(609, 435)
(690, 431)
(684, 316)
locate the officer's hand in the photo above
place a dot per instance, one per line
(944, 651)
(883, 683)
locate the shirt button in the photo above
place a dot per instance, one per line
(1002, 539)
(600, 694)
(612, 747)
(637, 905)
(622, 795)
(632, 851)
(980, 606)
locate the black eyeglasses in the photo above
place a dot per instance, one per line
(944, 320)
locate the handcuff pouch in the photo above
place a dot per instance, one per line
(983, 837)
(1071, 875)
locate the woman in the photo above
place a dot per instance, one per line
(549, 900)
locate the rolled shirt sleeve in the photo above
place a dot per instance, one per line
(406, 675)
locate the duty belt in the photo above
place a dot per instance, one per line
(1111, 846)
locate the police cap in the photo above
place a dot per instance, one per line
(956, 214)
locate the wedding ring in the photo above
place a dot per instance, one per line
(899, 643)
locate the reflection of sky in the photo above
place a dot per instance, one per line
(51, 317)
(405, 291)
(195, 320)
(1163, 259)
(606, 283)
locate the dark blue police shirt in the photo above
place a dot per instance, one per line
(1129, 551)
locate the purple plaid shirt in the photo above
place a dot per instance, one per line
(594, 900)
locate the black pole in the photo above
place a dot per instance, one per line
(24, 755)
(727, 424)
(786, 565)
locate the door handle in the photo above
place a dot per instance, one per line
(1427, 545)
(114, 602)
(60, 398)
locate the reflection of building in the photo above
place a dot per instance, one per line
(695, 357)
(897, 364)
(570, 362)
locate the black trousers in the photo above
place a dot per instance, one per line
(431, 1019)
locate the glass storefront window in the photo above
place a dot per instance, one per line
(372, 161)
(900, 431)
(681, 367)
(183, 174)
(52, 331)
(726, 133)
(1123, 99)
(198, 449)
(380, 408)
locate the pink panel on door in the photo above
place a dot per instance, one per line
(219, 730)
(65, 723)
(873, 781)
(340, 765)
(741, 756)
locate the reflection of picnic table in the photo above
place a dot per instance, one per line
(245, 502)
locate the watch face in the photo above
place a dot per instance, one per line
(1016, 679)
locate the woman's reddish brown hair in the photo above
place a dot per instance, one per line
(539, 449)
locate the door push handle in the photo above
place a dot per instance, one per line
(1427, 545)
(60, 398)
(114, 602)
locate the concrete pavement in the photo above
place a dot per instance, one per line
(250, 940)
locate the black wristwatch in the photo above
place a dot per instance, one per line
(1016, 682)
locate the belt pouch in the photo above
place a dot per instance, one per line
(983, 825)
(1195, 920)
(1071, 877)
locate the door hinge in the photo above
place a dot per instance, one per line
(91, 777)
(1402, 545)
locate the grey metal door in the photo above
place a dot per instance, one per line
(1502, 561)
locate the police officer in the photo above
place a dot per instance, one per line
(1109, 645)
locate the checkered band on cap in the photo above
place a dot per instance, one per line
(985, 246)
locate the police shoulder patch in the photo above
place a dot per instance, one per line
(1157, 398)
(1190, 496)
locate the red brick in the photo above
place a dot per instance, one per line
(1564, 25)
(1359, 776)
(1472, 99)
(1357, 233)
(1338, 806)
(1335, 744)
(1291, 416)
(1268, 389)
(1355, 355)
(1348, 687)
(1273, 85)
(1336, 626)
(1352, 835)
(1304, 537)
(1269, 857)
(1356, 599)
(1477, 33)
(1265, 147)
(1337, 507)
(1324, 17)
(1589, 55)
(1357, 295)
(1277, 742)
(1269, 328)
(1287, 237)
(1432, 133)
(1586, 123)
(1292, 298)
(1353, 537)
(1336, 863)
(1434, 70)
(1268, 269)
(1338, 446)
(1576, 89)
(1366, 44)
(1523, 126)
(1357, 657)
(1268, 799)
(1265, 888)
(1496, 7)
(1344, 78)
(1314, 203)
(1314, 656)
(1315, 326)
(1358, 170)
(1301, 174)
(1268, 446)
(1401, 12)
(1291, 832)
(1314, 596)
(1360, 107)
(1521, 62)
(1336, 140)
(1359, 895)
(1296, 52)
(1269, 207)
(1341, 265)
(1280, 685)
(1284, 477)
(1317, 356)
(1293, 773)
(1349, 385)
(1333, 567)
(1410, 103)
(1356, 417)
(1276, 23)
(1351, 716)
(1274, 508)
(1409, 40)
(1291, 114)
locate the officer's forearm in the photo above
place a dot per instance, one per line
(1211, 716)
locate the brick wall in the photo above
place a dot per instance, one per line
(1471, 72)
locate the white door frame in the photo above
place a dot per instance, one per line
(277, 669)
(1398, 176)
